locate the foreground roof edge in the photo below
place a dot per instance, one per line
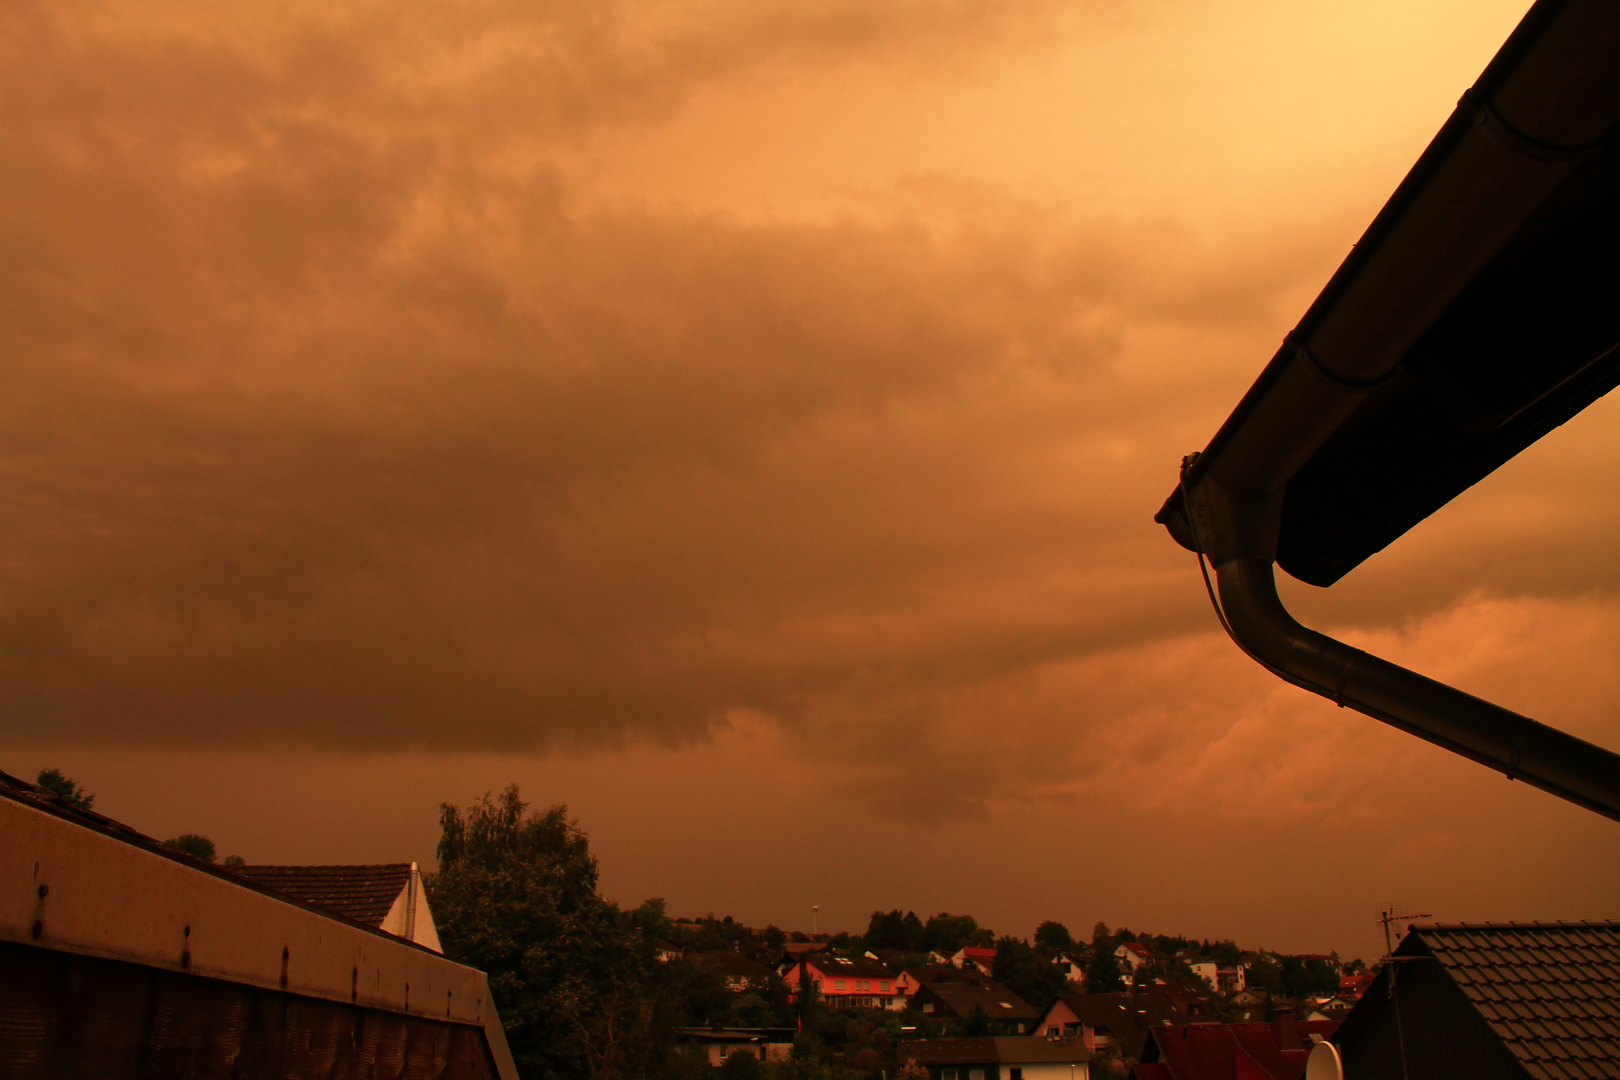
(1545, 108)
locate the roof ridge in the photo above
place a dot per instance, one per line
(324, 867)
(1539, 924)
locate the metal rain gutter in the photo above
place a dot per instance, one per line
(1547, 102)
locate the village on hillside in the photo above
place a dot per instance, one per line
(949, 997)
(540, 975)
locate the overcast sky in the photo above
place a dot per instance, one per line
(743, 422)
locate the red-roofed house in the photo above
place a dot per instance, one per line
(1354, 985)
(1131, 955)
(1273, 1051)
(848, 982)
(983, 959)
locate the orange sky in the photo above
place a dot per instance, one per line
(743, 422)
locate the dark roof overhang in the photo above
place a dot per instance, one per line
(1480, 310)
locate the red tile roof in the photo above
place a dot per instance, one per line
(362, 893)
(1232, 1051)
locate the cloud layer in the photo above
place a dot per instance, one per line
(356, 401)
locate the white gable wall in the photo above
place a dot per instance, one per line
(410, 917)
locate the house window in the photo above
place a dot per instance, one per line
(928, 1006)
(885, 986)
(1020, 1031)
(975, 1074)
(947, 1074)
(1015, 1073)
(838, 984)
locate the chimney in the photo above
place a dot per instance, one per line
(1284, 1029)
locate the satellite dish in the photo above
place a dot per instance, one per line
(1324, 1063)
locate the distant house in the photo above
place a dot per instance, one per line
(911, 978)
(387, 896)
(1354, 985)
(1491, 1001)
(845, 982)
(1004, 1058)
(893, 959)
(794, 951)
(1270, 1051)
(1120, 1021)
(974, 956)
(664, 951)
(1222, 978)
(1008, 1013)
(739, 972)
(1131, 955)
(719, 1043)
(1070, 968)
(1330, 959)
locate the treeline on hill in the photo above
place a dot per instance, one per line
(581, 992)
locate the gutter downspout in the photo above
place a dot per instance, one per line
(1548, 101)
(1241, 534)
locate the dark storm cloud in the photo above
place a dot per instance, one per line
(322, 425)
(334, 418)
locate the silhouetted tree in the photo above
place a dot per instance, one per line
(54, 782)
(515, 896)
(1102, 971)
(947, 933)
(1027, 973)
(192, 844)
(1053, 938)
(976, 1023)
(892, 930)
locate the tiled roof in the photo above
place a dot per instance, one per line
(1127, 1017)
(733, 964)
(1005, 1050)
(1221, 1051)
(849, 967)
(996, 1000)
(1550, 991)
(948, 1051)
(933, 973)
(19, 790)
(362, 893)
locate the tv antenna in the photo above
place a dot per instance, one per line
(1387, 915)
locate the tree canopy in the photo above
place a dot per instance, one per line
(1023, 970)
(54, 782)
(199, 846)
(1053, 939)
(515, 895)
